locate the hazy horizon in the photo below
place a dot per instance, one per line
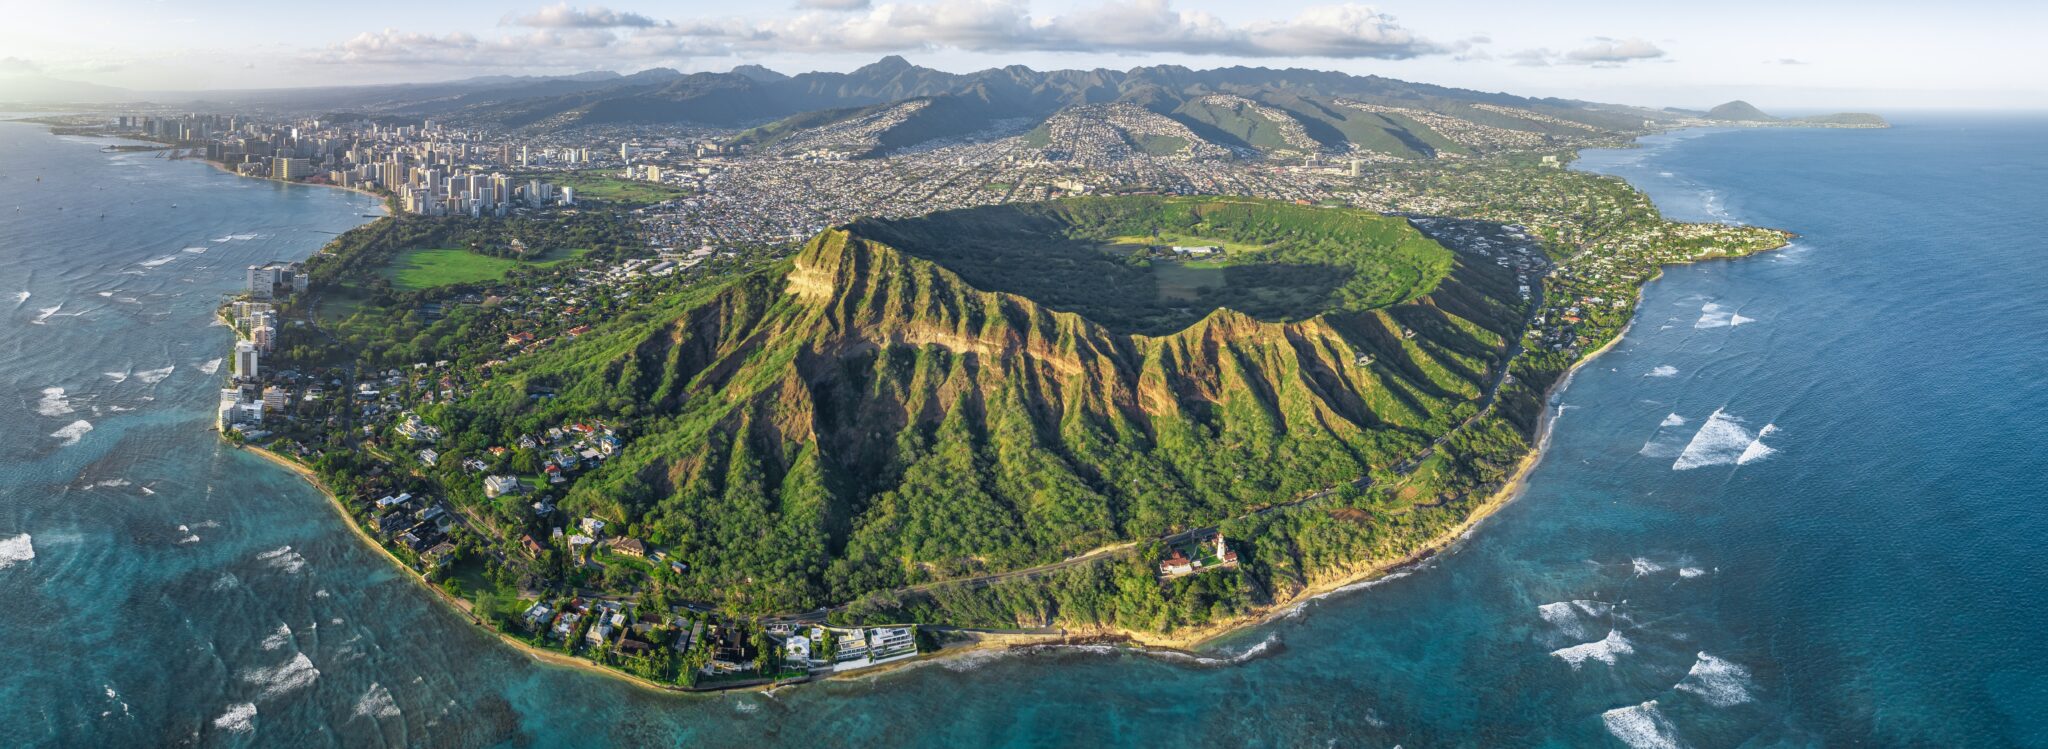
(1790, 57)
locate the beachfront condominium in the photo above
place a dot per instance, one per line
(245, 360)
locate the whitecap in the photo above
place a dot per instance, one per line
(1719, 682)
(1673, 420)
(210, 367)
(117, 377)
(278, 638)
(47, 313)
(284, 558)
(239, 718)
(1643, 567)
(21, 298)
(73, 432)
(1715, 316)
(1665, 443)
(294, 674)
(226, 581)
(1571, 617)
(1690, 572)
(116, 483)
(1642, 726)
(15, 550)
(155, 376)
(155, 262)
(1605, 650)
(377, 703)
(1663, 371)
(195, 250)
(54, 403)
(1757, 450)
(1722, 441)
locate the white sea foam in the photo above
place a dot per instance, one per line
(1226, 658)
(1722, 441)
(72, 432)
(1715, 316)
(210, 367)
(54, 403)
(195, 250)
(1642, 726)
(294, 674)
(155, 262)
(1691, 572)
(322, 593)
(154, 376)
(278, 638)
(115, 484)
(1665, 443)
(1674, 420)
(1572, 617)
(226, 581)
(1718, 682)
(377, 703)
(1605, 650)
(1663, 371)
(284, 558)
(47, 313)
(117, 377)
(239, 718)
(16, 550)
(1757, 450)
(20, 298)
(1645, 567)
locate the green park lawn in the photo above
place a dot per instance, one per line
(425, 268)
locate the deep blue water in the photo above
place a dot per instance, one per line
(1869, 571)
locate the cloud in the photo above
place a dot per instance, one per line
(1603, 52)
(563, 16)
(18, 66)
(566, 35)
(1785, 61)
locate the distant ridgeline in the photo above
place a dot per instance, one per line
(1739, 111)
(994, 388)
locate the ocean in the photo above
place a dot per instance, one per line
(1799, 504)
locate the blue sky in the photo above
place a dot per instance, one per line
(1784, 55)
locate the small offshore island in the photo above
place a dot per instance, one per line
(1088, 412)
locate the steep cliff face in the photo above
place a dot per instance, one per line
(867, 419)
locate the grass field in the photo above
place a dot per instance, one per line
(1185, 281)
(1189, 240)
(605, 185)
(427, 268)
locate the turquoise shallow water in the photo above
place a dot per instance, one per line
(1869, 571)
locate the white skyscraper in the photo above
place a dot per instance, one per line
(245, 360)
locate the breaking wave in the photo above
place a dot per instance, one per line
(1723, 441)
(210, 367)
(1643, 567)
(1663, 371)
(377, 703)
(297, 673)
(47, 313)
(1572, 617)
(157, 261)
(16, 550)
(239, 718)
(1718, 682)
(54, 403)
(154, 376)
(1642, 726)
(278, 638)
(72, 432)
(284, 558)
(1605, 650)
(1715, 316)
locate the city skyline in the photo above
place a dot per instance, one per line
(1818, 56)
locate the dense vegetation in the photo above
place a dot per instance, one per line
(872, 415)
(1284, 261)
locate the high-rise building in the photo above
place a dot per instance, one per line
(290, 168)
(246, 360)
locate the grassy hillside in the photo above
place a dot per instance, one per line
(895, 406)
